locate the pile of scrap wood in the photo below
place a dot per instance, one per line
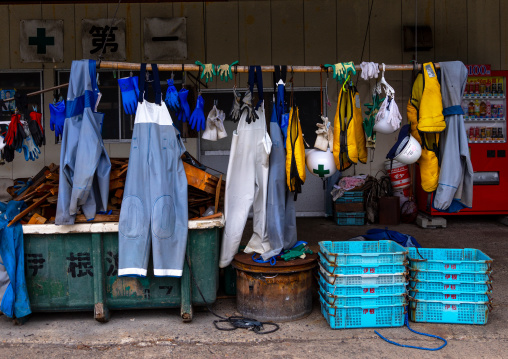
(41, 194)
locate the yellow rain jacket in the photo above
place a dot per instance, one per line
(295, 153)
(425, 114)
(348, 135)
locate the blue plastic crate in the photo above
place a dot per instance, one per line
(363, 252)
(359, 290)
(449, 312)
(451, 286)
(351, 197)
(363, 300)
(362, 317)
(455, 296)
(361, 268)
(460, 260)
(350, 218)
(362, 279)
(459, 277)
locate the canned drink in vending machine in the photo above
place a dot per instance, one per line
(500, 87)
(489, 133)
(477, 133)
(494, 133)
(483, 134)
(472, 133)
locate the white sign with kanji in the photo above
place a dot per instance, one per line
(165, 39)
(41, 40)
(99, 34)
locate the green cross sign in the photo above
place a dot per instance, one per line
(41, 41)
(321, 172)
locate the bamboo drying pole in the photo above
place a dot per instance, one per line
(41, 91)
(191, 67)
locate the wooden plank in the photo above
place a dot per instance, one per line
(37, 180)
(483, 38)
(115, 184)
(352, 18)
(16, 14)
(37, 219)
(86, 11)
(80, 218)
(221, 36)
(255, 40)
(133, 28)
(425, 17)
(193, 11)
(386, 46)
(320, 17)
(287, 35)
(5, 59)
(450, 29)
(30, 208)
(503, 12)
(153, 10)
(60, 12)
(217, 194)
(200, 179)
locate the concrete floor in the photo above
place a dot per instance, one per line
(160, 333)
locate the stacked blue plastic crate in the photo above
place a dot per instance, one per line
(362, 283)
(450, 285)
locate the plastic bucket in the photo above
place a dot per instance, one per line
(403, 194)
(399, 174)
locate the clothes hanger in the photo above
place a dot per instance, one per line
(387, 88)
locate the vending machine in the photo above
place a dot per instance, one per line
(484, 105)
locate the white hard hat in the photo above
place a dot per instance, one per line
(384, 127)
(388, 117)
(320, 163)
(408, 151)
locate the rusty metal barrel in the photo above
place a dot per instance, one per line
(278, 293)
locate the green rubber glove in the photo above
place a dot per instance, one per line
(297, 252)
(224, 71)
(349, 68)
(339, 72)
(208, 71)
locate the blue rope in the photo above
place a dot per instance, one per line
(272, 260)
(406, 322)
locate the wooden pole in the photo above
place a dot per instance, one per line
(191, 67)
(269, 68)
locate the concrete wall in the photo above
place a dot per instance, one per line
(297, 32)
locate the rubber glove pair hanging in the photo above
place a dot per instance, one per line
(245, 104)
(215, 125)
(177, 101)
(324, 139)
(57, 117)
(210, 70)
(342, 70)
(19, 138)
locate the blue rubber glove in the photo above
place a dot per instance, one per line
(130, 94)
(197, 119)
(21, 186)
(30, 149)
(172, 97)
(57, 119)
(184, 113)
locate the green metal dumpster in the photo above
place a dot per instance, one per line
(74, 268)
